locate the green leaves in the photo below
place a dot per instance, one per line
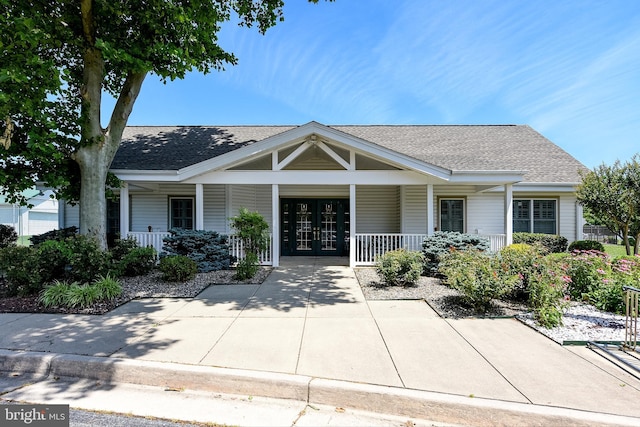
(611, 194)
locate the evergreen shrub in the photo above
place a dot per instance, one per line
(137, 262)
(208, 249)
(17, 263)
(61, 234)
(586, 245)
(8, 236)
(178, 268)
(553, 243)
(441, 242)
(400, 267)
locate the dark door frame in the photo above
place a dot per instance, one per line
(288, 227)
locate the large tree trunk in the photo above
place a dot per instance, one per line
(98, 145)
(96, 154)
(93, 202)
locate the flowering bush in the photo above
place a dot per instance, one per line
(479, 276)
(547, 290)
(587, 269)
(520, 259)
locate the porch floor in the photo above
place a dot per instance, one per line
(293, 261)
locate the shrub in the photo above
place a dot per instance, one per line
(61, 234)
(553, 243)
(122, 247)
(440, 242)
(547, 288)
(520, 259)
(586, 245)
(252, 229)
(400, 267)
(8, 236)
(53, 260)
(209, 249)
(178, 268)
(21, 274)
(479, 276)
(587, 270)
(247, 267)
(137, 262)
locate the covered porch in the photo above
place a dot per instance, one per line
(323, 192)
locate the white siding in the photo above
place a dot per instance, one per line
(149, 209)
(9, 215)
(314, 191)
(256, 198)
(41, 222)
(485, 213)
(215, 211)
(377, 209)
(71, 216)
(567, 217)
(414, 209)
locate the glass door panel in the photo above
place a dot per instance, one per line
(329, 226)
(304, 227)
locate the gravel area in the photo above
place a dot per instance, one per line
(581, 322)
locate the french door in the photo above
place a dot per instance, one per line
(314, 226)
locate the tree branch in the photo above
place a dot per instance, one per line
(122, 110)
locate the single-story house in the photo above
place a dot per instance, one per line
(28, 221)
(353, 191)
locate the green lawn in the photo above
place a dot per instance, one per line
(24, 240)
(615, 250)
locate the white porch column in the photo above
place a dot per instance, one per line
(352, 225)
(199, 207)
(275, 225)
(124, 210)
(430, 221)
(508, 213)
(579, 221)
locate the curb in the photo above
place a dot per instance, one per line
(419, 404)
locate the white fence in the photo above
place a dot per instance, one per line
(368, 247)
(236, 248)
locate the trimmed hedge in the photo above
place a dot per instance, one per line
(8, 236)
(586, 245)
(553, 243)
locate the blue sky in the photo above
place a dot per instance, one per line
(569, 69)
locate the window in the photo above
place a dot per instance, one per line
(452, 215)
(181, 213)
(535, 216)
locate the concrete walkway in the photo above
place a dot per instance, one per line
(310, 326)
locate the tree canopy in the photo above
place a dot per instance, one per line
(58, 57)
(612, 196)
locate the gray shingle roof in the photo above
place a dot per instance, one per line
(453, 147)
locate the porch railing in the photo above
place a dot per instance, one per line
(369, 246)
(154, 239)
